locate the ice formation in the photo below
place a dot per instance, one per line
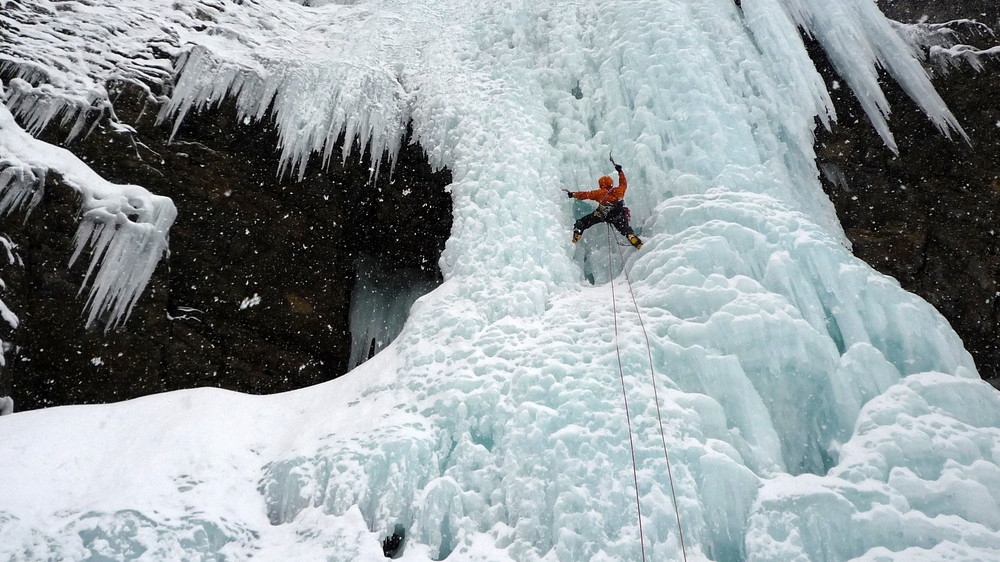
(124, 226)
(6, 314)
(380, 303)
(813, 410)
(943, 42)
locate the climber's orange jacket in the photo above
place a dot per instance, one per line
(605, 194)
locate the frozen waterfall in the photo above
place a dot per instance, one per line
(813, 410)
(380, 304)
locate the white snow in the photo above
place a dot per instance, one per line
(812, 409)
(124, 226)
(942, 41)
(8, 315)
(250, 302)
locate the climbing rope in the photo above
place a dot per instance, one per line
(656, 397)
(628, 416)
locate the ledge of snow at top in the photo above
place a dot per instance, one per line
(124, 226)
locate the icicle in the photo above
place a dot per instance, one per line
(366, 109)
(124, 257)
(380, 304)
(125, 226)
(6, 314)
(779, 40)
(21, 187)
(942, 42)
(859, 40)
(39, 106)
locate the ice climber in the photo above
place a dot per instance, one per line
(610, 207)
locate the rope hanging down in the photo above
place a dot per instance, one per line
(628, 416)
(656, 398)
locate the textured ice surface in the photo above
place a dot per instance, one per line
(813, 410)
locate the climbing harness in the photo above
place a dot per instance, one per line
(656, 398)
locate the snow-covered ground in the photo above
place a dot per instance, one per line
(811, 409)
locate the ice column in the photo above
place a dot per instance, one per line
(380, 304)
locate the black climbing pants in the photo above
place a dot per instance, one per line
(615, 215)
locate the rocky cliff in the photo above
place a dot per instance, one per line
(930, 215)
(256, 293)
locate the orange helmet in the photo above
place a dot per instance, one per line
(605, 182)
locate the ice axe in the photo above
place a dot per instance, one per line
(613, 163)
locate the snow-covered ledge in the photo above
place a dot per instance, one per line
(125, 226)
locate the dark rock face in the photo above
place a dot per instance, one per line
(984, 11)
(930, 217)
(255, 294)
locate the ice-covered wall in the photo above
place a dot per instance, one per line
(382, 82)
(812, 409)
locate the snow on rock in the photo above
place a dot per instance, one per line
(860, 41)
(124, 226)
(943, 42)
(811, 408)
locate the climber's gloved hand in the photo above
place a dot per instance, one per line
(618, 168)
(569, 194)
